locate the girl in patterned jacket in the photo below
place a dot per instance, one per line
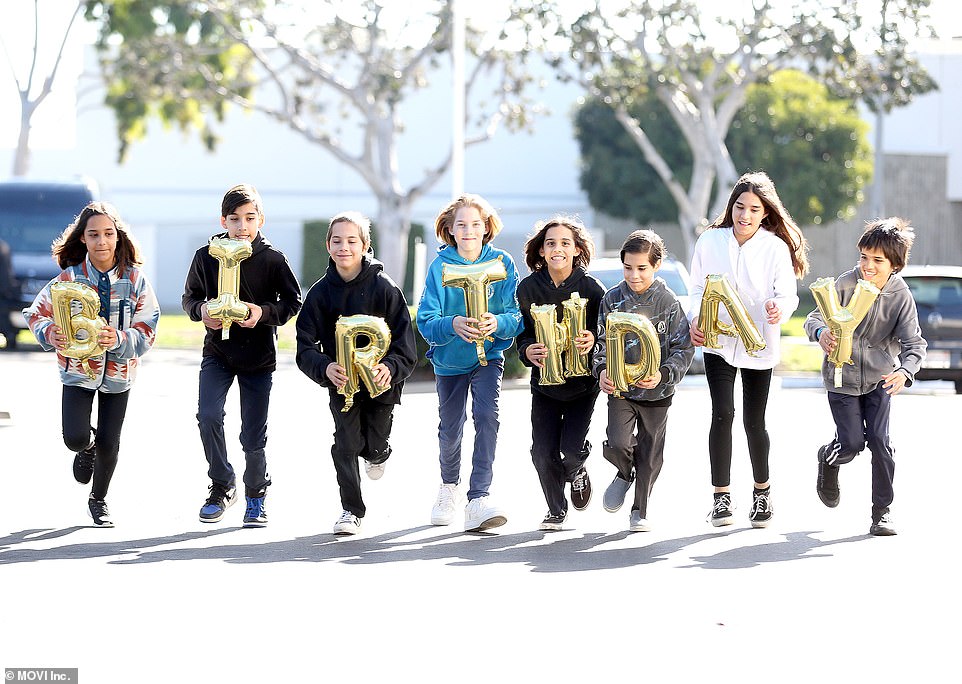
(97, 250)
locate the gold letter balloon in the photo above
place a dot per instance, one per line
(719, 291)
(82, 329)
(842, 321)
(575, 320)
(553, 335)
(474, 280)
(228, 307)
(359, 362)
(620, 372)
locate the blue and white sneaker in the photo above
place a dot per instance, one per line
(221, 498)
(256, 514)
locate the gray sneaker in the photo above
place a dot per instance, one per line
(615, 493)
(638, 524)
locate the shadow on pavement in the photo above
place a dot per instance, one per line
(797, 546)
(538, 550)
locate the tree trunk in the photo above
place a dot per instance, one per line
(393, 225)
(21, 158)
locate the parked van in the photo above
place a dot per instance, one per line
(33, 214)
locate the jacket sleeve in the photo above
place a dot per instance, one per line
(311, 359)
(527, 335)
(813, 323)
(784, 282)
(287, 300)
(600, 357)
(509, 320)
(436, 328)
(680, 349)
(137, 339)
(697, 274)
(402, 355)
(909, 334)
(195, 292)
(39, 315)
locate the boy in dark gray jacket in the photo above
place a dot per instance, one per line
(887, 352)
(638, 422)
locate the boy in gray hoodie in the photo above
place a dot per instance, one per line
(887, 352)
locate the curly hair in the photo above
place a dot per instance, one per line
(582, 239)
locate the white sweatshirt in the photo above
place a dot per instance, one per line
(760, 271)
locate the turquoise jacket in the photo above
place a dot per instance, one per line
(448, 353)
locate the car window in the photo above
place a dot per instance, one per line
(936, 292)
(31, 218)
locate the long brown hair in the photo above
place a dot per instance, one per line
(777, 221)
(582, 239)
(68, 250)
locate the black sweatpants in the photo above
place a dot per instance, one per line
(362, 432)
(111, 410)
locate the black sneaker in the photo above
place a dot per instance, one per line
(721, 511)
(256, 514)
(762, 512)
(98, 511)
(580, 490)
(221, 498)
(83, 464)
(827, 483)
(553, 523)
(882, 526)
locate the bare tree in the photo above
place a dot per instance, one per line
(30, 97)
(338, 81)
(700, 68)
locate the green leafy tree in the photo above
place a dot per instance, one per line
(334, 71)
(813, 144)
(700, 65)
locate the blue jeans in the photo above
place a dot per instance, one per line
(255, 393)
(485, 385)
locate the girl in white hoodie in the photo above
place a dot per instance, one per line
(759, 248)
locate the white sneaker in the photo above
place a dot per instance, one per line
(480, 515)
(374, 470)
(348, 523)
(443, 511)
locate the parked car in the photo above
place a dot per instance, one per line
(610, 272)
(32, 215)
(938, 297)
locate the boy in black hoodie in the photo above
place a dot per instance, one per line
(558, 254)
(269, 288)
(355, 283)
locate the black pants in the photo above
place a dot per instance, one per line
(362, 432)
(755, 387)
(111, 410)
(558, 445)
(861, 420)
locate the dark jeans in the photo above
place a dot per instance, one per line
(111, 410)
(558, 445)
(755, 387)
(643, 451)
(862, 420)
(362, 432)
(485, 385)
(255, 393)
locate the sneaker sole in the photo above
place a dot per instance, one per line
(722, 522)
(760, 524)
(345, 533)
(551, 527)
(490, 523)
(254, 523)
